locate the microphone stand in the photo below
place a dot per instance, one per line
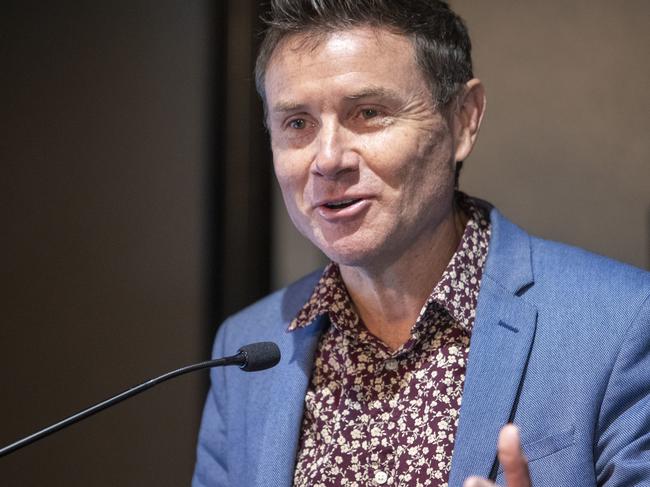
(245, 359)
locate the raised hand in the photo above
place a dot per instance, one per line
(515, 465)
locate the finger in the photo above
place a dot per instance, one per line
(478, 482)
(515, 465)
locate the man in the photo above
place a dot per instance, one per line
(432, 299)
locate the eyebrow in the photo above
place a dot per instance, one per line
(369, 92)
(287, 106)
(373, 92)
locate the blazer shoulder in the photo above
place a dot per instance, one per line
(268, 318)
(581, 287)
(586, 271)
(565, 282)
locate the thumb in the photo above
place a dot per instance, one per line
(515, 465)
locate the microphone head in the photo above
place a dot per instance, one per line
(260, 356)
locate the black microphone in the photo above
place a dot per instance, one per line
(259, 356)
(251, 358)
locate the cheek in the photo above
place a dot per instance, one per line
(287, 172)
(292, 197)
(404, 160)
(291, 179)
(385, 155)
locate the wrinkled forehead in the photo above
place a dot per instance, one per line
(336, 42)
(340, 64)
(364, 53)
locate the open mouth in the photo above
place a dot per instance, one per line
(339, 205)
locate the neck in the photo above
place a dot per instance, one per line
(389, 298)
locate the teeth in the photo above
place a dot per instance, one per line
(340, 204)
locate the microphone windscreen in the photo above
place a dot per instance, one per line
(260, 356)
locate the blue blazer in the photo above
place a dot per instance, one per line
(560, 346)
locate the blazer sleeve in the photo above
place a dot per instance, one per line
(211, 462)
(622, 445)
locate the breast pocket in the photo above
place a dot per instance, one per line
(548, 445)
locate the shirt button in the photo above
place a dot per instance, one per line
(391, 364)
(380, 477)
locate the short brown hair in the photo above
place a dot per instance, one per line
(439, 36)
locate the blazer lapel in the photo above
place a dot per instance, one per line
(283, 406)
(500, 345)
(499, 349)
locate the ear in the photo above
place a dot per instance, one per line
(467, 115)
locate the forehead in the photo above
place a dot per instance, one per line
(358, 59)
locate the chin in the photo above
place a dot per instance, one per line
(347, 253)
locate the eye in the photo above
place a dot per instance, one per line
(368, 113)
(297, 123)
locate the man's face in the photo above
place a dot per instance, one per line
(364, 158)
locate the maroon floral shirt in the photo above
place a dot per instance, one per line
(379, 417)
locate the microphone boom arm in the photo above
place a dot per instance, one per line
(242, 359)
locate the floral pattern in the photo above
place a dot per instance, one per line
(375, 416)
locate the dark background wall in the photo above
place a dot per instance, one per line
(128, 193)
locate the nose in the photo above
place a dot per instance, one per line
(335, 155)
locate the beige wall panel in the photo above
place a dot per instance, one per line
(564, 149)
